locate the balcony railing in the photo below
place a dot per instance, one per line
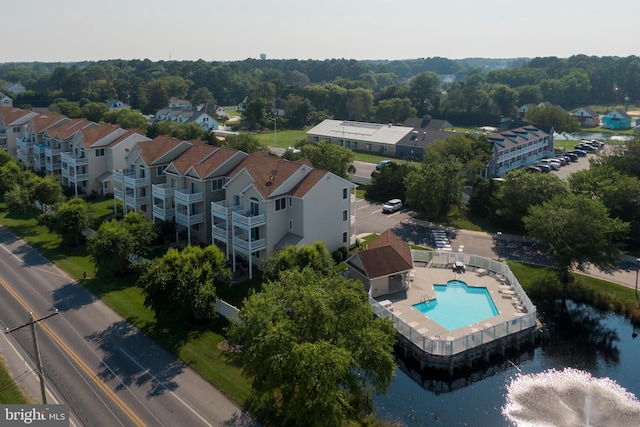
(73, 160)
(50, 152)
(53, 166)
(184, 197)
(162, 191)
(136, 201)
(162, 213)
(220, 232)
(188, 220)
(249, 246)
(25, 142)
(222, 209)
(118, 194)
(248, 220)
(24, 155)
(129, 179)
(73, 176)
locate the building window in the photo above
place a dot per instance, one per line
(160, 171)
(217, 184)
(345, 215)
(368, 146)
(281, 204)
(16, 129)
(345, 236)
(345, 193)
(290, 224)
(99, 152)
(290, 201)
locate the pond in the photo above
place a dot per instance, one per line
(602, 136)
(604, 345)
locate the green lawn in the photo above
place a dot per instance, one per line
(9, 390)
(282, 139)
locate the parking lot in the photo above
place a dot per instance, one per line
(582, 163)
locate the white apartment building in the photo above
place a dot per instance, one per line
(93, 154)
(194, 180)
(271, 202)
(519, 147)
(55, 141)
(145, 165)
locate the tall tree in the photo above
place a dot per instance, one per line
(127, 119)
(519, 191)
(119, 241)
(244, 142)
(555, 116)
(576, 232)
(432, 190)
(184, 281)
(71, 219)
(389, 182)
(329, 157)
(425, 92)
(316, 257)
(313, 349)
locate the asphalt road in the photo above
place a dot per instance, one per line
(108, 372)
(370, 219)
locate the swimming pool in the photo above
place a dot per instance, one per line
(458, 305)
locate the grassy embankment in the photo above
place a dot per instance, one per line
(196, 346)
(10, 392)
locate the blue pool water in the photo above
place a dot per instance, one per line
(458, 305)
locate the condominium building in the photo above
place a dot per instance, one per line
(93, 154)
(145, 165)
(270, 202)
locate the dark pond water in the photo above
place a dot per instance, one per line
(601, 344)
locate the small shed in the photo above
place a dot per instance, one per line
(384, 267)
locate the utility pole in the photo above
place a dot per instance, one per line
(32, 322)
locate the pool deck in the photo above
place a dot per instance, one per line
(421, 289)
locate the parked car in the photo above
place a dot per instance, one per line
(572, 156)
(562, 160)
(579, 153)
(553, 164)
(543, 167)
(596, 144)
(566, 158)
(585, 147)
(392, 206)
(382, 164)
(532, 168)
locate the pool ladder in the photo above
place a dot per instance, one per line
(424, 298)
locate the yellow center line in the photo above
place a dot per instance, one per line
(81, 364)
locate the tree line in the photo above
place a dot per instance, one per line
(310, 91)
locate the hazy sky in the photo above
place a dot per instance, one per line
(213, 30)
